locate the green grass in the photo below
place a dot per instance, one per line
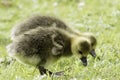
(102, 17)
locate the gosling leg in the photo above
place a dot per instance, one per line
(43, 71)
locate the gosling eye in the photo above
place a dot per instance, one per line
(80, 52)
(92, 44)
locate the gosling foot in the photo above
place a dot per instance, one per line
(60, 73)
(43, 71)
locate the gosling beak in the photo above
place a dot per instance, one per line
(84, 61)
(93, 54)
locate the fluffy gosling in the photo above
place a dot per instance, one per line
(47, 21)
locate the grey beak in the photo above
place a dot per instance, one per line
(84, 61)
(92, 52)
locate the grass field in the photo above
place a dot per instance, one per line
(102, 17)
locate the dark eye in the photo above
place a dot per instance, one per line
(92, 44)
(80, 52)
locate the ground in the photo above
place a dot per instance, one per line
(101, 17)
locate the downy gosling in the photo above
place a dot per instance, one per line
(41, 47)
(47, 21)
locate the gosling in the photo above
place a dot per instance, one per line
(47, 21)
(40, 47)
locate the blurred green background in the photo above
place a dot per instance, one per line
(101, 17)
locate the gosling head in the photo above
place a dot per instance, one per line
(81, 48)
(93, 43)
